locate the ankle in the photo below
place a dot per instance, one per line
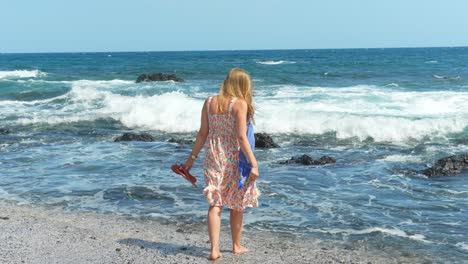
(215, 249)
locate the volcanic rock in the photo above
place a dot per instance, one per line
(158, 77)
(448, 166)
(135, 137)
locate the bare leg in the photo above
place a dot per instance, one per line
(214, 228)
(237, 217)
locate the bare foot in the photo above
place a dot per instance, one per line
(215, 255)
(239, 250)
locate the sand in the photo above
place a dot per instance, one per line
(35, 234)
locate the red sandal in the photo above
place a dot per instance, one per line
(179, 169)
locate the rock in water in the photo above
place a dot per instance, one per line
(307, 160)
(135, 137)
(325, 160)
(263, 140)
(181, 141)
(158, 77)
(448, 166)
(4, 131)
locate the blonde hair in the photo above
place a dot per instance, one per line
(237, 84)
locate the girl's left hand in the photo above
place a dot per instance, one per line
(254, 173)
(188, 164)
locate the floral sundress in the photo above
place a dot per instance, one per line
(221, 164)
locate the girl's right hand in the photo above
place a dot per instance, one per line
(188, 164)
(254, 173)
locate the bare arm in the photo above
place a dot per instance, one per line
(201, 137)
(240, 113)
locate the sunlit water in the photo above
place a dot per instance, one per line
(383, 114)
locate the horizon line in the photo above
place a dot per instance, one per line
(228, 50)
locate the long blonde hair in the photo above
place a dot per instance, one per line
(237, 84)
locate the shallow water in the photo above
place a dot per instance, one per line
(384, 114)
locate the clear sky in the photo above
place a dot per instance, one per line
(162, 25)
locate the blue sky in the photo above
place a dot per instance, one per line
(155, 25)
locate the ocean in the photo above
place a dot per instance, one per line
(384, 114)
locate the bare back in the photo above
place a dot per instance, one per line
(213, 106)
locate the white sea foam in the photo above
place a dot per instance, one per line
(402, 158)
(98, 83)
(462, 245)
(275, 62)
(364, 111)
(392, 232)
(357, 111)
(446, 77)
(432, 61)
(21, 74)
(171, 112)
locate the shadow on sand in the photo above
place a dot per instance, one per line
(167, 248)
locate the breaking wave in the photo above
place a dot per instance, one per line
(21, 74)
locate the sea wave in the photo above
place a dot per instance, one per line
(378, 128)
(275, 62)
(370, 100)
(158, 112)
(21, 74)
(443, 77)
(83, 82)
(350, 112)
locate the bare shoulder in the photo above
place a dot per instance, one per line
(240, 105)
(208, 100)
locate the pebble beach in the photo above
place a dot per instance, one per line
(51, 235)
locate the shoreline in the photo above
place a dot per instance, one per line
(39, 234)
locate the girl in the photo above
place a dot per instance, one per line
(223, 127)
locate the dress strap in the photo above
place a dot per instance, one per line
(208, 105)
(233, 100)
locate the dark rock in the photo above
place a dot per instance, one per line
(307, 160)
(304, 159)
(118, 249)
(135, 137)
(183, 248)
(181, 141)
(448, 166)
(180, 230)
(158, 77)
(326, 160)
(4, 218)
(263, 140)
(5, 131)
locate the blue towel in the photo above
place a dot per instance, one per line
(244, 166)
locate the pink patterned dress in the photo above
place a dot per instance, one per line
(221, 164)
